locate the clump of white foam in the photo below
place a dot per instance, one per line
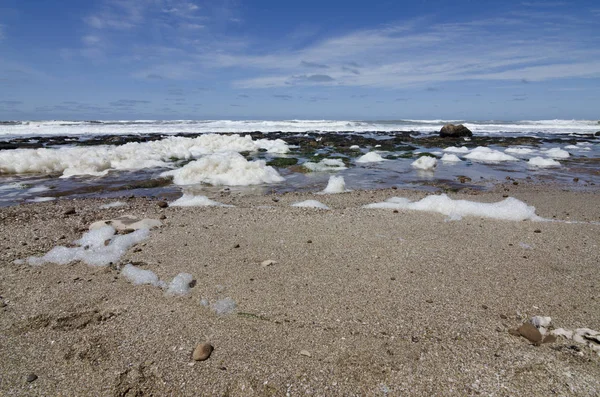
(224, 306)
(507, 209)
(137, 276)
(556, 153)
(519, 150)
(114, 204)
(98, 247)
(325, 165)
(180, 284)
(541, 162)
(311, 204)
(450, 158)
(355, 147)
(371, 157)
(584, 336)
(486, 155)
(229, 168)
(189, 200)
(454, 149)
(99, 160)
(425, 163)
(335, 185)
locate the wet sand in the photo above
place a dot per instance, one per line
(359, 301)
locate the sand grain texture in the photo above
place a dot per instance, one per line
(385, 303)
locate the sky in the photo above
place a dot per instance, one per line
(273, 59)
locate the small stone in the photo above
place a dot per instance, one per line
(31, 378)
(531, 333)
(503, 316)
(395, 211)
(162, 204)
(415, 339)
(309, 241)
(2, 304)
(236, 246)
(484, 307)
(537, 231)
(575, 179)
(69, 211)
(162, 217)
(305, 353)
(275, 199)
(268, 262)
(202, 352)
(393, 278)
(429, 301)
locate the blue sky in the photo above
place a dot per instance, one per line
(259, 59)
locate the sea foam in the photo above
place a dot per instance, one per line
(99, 160)
(229, 168)
(507, 209)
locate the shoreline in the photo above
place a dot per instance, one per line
(383, 302)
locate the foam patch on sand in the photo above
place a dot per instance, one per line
(98, 247)
(224, 306)
(371, 157)
(180, 285)
(231, 169)
(99, 160)
(450, 158)
(425, 163)
(508, 209)
(584, 336)
(487, 155)
(137, 276)
(336, 184)
(189, 200)
(541, 162)
(114, 204)
(311, 204)
(325, 165)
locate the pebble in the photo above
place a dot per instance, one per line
(202, 352)
(268, 262)
(305, 353)
(31, 378)
(537, 231)
(162, 217)
(236, 246)
(162, 204)
(69, 211)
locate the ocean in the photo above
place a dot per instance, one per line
(49, 160)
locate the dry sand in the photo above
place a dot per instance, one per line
(384, 303)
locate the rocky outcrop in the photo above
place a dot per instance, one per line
(454, 131)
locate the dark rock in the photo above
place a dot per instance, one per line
(454, 131)
(162, 204)
(69, 211)
(31, 378)
(162, 217)
(597, 133)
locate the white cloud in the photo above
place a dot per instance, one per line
(91, 40)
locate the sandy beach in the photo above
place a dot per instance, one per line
(357, 302)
